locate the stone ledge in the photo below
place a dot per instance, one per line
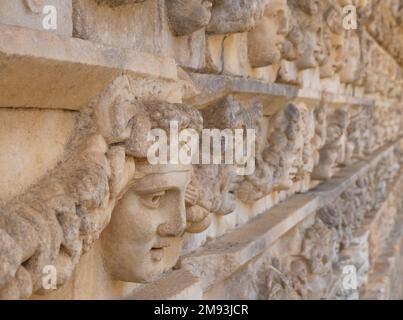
(180, 284)
(388, 264)
(65, 73)
(222, 257)
(215, 87)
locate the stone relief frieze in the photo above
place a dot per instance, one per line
(104, 180)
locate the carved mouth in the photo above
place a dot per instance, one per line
(157, 254)
(157, 251)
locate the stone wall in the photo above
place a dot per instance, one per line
(79, 196)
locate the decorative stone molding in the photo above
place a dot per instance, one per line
(324, 104)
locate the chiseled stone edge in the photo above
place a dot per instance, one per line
(177, 285)
(66, 73)
(221, 258)
(390, 260)
(215, 87)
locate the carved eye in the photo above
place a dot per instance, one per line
(152, 200)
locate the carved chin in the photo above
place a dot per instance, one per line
(184, 21)
(348, 76)
(270, 59)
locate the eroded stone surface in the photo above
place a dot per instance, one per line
(80, 194)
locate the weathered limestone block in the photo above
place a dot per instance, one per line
(32, 14)
(67, 73)
(32, 141)
(149, 26)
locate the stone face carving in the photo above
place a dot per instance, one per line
(320, 136)
(333, 151)
(187, 16)
(352, 59)
(105, 180)
(216, 183)
(333, 36)
(232, 16)
(306, 35)
(277, 158)
(317, 249)
(265, 41)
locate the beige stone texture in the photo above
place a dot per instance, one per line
(303, 118)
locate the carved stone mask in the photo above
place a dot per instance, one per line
(265, 41)
(351, 58)
(334, 42)
(142, 239)
(307, 35)
(188, 16)
(232, 16)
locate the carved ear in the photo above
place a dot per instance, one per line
(113, 111)
(138, 144)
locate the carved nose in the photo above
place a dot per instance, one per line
(176, 224)
(284, 27)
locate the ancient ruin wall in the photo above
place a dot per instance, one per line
(80, 94)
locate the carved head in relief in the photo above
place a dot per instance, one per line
(306, 35)
(333, 152)
(265, 41)
(232, 16)
(285, 143)
(216, 183)
(143, 238)
(352, 58)
(188, 16)
(333, 37)
(107, 190)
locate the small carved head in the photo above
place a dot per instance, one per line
(352, 59)
(232, 16)
(266, 40)
(188, 16)
(333, 36)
